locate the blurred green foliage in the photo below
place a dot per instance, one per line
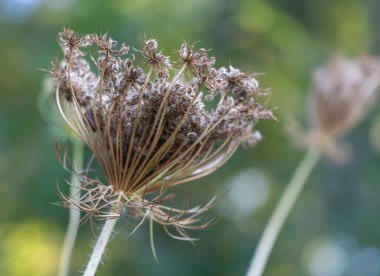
(337, 214)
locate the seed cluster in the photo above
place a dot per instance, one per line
(155, 128)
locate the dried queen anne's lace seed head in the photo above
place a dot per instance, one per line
(150, 131)
(342, 93)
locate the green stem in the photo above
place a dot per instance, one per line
(281, 212)
(74, 213)
(100, 247)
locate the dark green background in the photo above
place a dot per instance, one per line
(335, 225)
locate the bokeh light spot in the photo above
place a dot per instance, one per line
(249, 190)
(18, 10)
(325, 257)
(30, 248)
(365, 261)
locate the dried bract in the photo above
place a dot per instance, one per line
(150, 131)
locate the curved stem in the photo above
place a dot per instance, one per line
(74, 213)
(100, 247)
(281, 212)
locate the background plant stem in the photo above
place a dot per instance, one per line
(74, 213)
(281, 212)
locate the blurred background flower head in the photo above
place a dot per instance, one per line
(343, 92)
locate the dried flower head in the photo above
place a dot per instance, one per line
(150, 131)
(342, 93)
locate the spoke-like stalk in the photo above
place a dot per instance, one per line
(100, 246)
(281, 213)
(74, 213)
